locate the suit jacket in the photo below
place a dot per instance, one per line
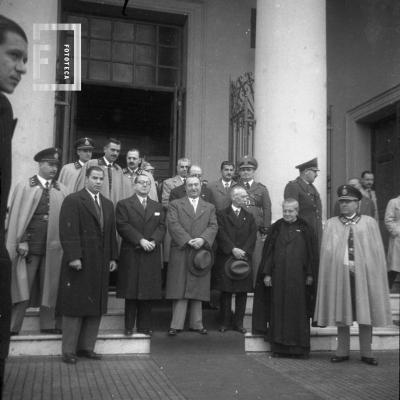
(233, 231)
(139, 272)
(184, 224)
(180, 191)
(7, 125)
(310, 206)
(371, 194)
(167, 186)
(85, 292)
(220, 196)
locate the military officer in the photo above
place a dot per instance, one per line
(70, 172)
(258, 203)
(303, 190)
(134, 169)
(33, 242)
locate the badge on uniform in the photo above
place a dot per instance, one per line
(156, 214)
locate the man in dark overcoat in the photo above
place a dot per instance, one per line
(13, 57)
(88, 238)
(141, 225)
(285, 291)
(193, 225)
(237, 234)
(303, 190)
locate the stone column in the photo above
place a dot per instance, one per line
(290, 93)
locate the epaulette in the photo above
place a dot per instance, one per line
(260, 184)
(77, 165)
(125, 171)
(34, 181)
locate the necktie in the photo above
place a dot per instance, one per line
(226, 187)
(47, 185)
(369, 193)
(109, 166)
(96, 202)
(194, 205)
(247, 185)
(144, 203)
(237, 212)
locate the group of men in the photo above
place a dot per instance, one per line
(65, 236)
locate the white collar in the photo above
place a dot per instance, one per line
(250, 182)
(234, 208)
(107, 162)
(140, 197)
(225, 183)
(43, 181)
(92, 194)
(81, 163)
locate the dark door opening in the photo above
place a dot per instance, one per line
(141, 119)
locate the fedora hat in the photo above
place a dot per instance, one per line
(237, 269)
(200, 261)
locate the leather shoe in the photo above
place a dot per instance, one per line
(202, 331)
(172, 332)
(223, 329)
(88, 354)
(128, 332)
(146, 331)
(241, 330)
(54, 331)
(14, 333)
(69, 358)
(337, 359)
(369, 360)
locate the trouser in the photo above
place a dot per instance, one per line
(139, 310)
(365, 338)
(79, 333)
(2, 365)
(179, 308)
(257, 254)
(226, 309)
(47, 314)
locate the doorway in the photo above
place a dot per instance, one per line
(141, 119)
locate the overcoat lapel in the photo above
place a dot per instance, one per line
(149, 210)
(88, 202)
(188, 208)
(201, 207)
(136, 205)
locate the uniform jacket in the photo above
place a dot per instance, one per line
(167, 186)
(333, 305)
(128, 183)
(117, 192)
(392, 223)
(7, 124)
(233, 231)
(259, 204)
(85, 292)
(24, 201)
(183, 225)
(180, 191)
(220, 197)
(139, 272)
(69, 175)
(310, 206)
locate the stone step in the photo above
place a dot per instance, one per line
(324, 339)
(37, 344)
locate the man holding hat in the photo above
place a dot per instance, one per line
(70, 172)
(352, 284)
(258, 203)
(284, 292)
(192, 224)
(232, 272)
(303, 190)
(33, 242)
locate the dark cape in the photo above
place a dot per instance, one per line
(297, 256)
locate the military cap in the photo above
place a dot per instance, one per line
(348, 192)
(84, 143)
(52, 154)
(312, 164)
(247, 161)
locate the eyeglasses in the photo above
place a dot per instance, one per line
(144, 183)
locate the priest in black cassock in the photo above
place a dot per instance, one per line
(284, 293)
